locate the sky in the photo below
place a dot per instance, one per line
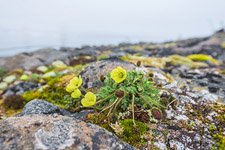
(26, 25)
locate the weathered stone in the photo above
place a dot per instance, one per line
(55, 132)
(38, 106)
(34, 59)
(20, 88)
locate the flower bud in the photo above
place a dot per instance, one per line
(157, 113)
(138, 63)
(102, 78)
(119, 93)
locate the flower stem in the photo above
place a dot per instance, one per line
(101, 100)
(133, 109)
(109, 105)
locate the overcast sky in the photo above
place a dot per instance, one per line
(26, 24)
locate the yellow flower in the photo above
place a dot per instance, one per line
(74, 84)
(118, 74)
(76, 93)
(89, 99)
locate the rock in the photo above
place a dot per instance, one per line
(20, 88)
(42, 69)
(38, 106)
(55, 132)
(9, 79)
(49, 74)
(3, 85)
(91, 75)
(58, 64)
(38, 58)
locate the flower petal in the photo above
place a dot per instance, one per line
(76, 93)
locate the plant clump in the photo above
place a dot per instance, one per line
(14, 102)
(126, 91)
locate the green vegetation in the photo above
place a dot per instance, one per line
(127, 94)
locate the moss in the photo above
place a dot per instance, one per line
(146, 61)
(14, 102)
(30, 95)
(12, 106)
(56, 95)
(2, 72)
(180, 60)
(223, 45)
(99, 119)
(133, 134)
(220, 141)
(202, 58)
(162, 62)
(102, 57)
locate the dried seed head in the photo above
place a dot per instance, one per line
(102, 78)
(139, 63)
(119, 93)
(150, 74)
(156, 113)
(165, 94)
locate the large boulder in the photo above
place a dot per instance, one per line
(55, 132)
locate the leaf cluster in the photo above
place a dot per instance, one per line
(137, 86)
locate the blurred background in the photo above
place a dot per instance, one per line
(27, 25)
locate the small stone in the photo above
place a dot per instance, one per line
(3, 85)
(42, 69)
(9, 79)
(58, 64)
(49, 74)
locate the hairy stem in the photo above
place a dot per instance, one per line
(133, 109)
(110, 105)
(101, 100)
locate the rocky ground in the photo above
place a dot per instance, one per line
(36, 112)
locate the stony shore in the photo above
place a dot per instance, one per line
(36, 111)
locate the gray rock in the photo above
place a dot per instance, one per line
(55, 132)
(38, 58)
(91, 75)
(20, 88)
(38, 106)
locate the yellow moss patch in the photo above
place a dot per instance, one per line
(202, 58)
(223, 45)
(146, 61)
(180, 60)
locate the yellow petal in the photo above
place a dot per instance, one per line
(76, 93)
(89, 99)
(118, 74)
(70, 88)
(76, 81)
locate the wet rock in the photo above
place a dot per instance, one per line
(91, 75)
(20, 88)
(55, 132)
(38, 106)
